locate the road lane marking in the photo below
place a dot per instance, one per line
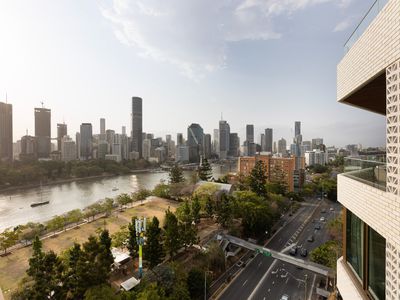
(312, 287)
(245, 282)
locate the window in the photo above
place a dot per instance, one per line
(376, 264)
(354, 243)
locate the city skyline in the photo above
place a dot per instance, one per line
(248, 84)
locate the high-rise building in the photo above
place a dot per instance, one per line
(195, 142)
(216, 142)
(28, 148)
(268, 140)
(250, 133)
(207, 146)
(86, 136)
(262, 142)
(179, 139)
(224, 132)
(68, 149)
(6, 131)
(137, 125)
(316, 142)
(43, 131)
(297, 128)
(368, 77)
(78, 145)
(61, 132)
(110, 139)
(282, 146)
(234, 145)
(102, 126)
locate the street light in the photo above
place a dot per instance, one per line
(300, 280)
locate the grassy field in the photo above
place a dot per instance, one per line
(13, 267)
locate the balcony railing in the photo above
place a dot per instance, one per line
(369, 172)
(364, 23)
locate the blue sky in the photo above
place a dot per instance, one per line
(262, 62)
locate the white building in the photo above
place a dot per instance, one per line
(182, 154)
(113, 157)
(316, 157)
(68, 149)
(368, 77)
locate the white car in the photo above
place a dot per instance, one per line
(322, 219)
(285, 297)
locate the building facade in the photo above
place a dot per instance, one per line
(234, 145)
(43, 132)
(268, 140)
(224, 132)
(68, 149)
(6, 132)
(137, 125)
(195, 137)
(86, 137)
(277, 169)
(61, 132)
(368, 77)
(250, 133)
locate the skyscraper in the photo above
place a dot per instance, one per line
(102, 126)
(86, 141)
(43, 131)
(282, 146)
(250, 133)
(224, 132)
(6, 132)
(137, 125)
(61, 132)
(216, 142)
(234, 145)
(297, 128)
(268, 139)
(195, 142)
(179, 139)
(207, 146)
(262, 142)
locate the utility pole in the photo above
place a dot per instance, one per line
(140, 227)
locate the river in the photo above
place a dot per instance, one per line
(15, 206)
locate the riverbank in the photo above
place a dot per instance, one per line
(13, 266)
(5, 190)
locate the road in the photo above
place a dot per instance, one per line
(263, 278)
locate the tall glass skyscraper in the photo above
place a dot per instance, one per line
(43, 131)
(6, 132)
(137, 125)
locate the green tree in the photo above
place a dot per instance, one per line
(216, 258)
(171, 232)
(161, 190)
(176, 175)
(8, 238)
(123, 200)
(224, 210)
(107, 206)
(101, 292)
(56, 223)
(326, 254)
(257, 179)
(132, 246)
(153, 249)
(205, 170)
(121, 237)
(74, 216)
(106, 258)
(209, 207)
(195, 282)
(196, 207)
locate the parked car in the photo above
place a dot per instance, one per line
(284, 297)
(331, 209)
(322, 219)
(310, 239)
(317, 227)
(323, 211)
(293, 251)
(239, 263)
(304, 252)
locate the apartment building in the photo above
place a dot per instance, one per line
(368, 77)
(277, 169)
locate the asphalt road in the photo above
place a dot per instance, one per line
(288, 279)
(246, 282)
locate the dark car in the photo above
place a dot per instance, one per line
(310, 239)
(323, 211)
(304, 252)
(317, 227)
(293, 251)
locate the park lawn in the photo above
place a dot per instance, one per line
(13, 267)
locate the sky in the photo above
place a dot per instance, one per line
(262, 62)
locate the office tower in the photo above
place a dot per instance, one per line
(234, 145)
(182, 154)
(316, 142)
(307, 145)
(6, 132)
(179, 139)
(368, 77)
(224, 132)
(137, 125)
(262, 142)
(250, 133)
(43, 131)
(195, 142)
(124, 146)
(216, 142)
(16, 149)
(86, 135)
(275, 149)
(268, 140)
(297, 128)
(102, 150)
(61, 132)
(123, 130)
(110, 139)
(68, 149)
(78, 145)
(146, 149)
(28, 148)
(207, 146)
(282, 146)
(102, 126)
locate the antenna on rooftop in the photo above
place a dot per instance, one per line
(42, 104)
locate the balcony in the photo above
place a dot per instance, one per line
(372, 173)
(364, 23)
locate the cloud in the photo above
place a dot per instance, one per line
(343, 25)
(193, 35)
